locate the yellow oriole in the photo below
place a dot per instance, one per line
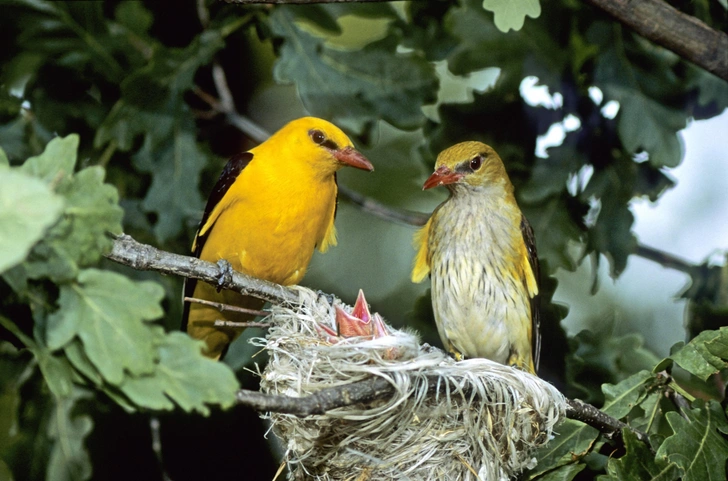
(480, 253)
(271, 207)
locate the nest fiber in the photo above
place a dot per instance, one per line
(467, 420)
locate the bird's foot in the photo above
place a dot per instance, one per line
(225, 273)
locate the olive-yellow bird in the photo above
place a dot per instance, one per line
(271, 207)
(479, 251)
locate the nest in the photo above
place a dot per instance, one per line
(467, 420)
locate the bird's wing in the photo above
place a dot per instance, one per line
(421, 267)
(532, 284)
(229, 174)
(329, 238)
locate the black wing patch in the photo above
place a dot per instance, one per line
(232, 170)
(530, 240)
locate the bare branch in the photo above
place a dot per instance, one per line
(324, 400)
(670, 28)
(144, 257)
(665, 259)
(376, 388)
(377, 209)
(239, 325)
(610, 427)
(226, 307)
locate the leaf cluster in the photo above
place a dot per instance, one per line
(93, 329)
(687, 433)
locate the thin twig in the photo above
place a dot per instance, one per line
(144, 257)
(239, 325)
(664, 259)
(226, 307)
(377, 209)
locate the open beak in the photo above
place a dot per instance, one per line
(353, 158)
(441, 176)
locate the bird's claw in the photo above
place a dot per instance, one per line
(225, 273)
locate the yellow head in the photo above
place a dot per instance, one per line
(316, 141)
(470, 164)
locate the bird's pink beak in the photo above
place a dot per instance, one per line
(353, 158)
(442, 176)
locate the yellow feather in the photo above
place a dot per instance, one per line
(421, 267)
(473, 248)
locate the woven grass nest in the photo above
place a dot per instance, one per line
(448, 420)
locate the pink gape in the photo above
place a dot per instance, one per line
(360, 323)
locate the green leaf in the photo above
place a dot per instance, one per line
(639, 464)
(622, 397)
(572, 440)
(27, 208)
(80, 238)
(15, 369)
(645, 124)
(184, 377)
(175, 166)
(374, 83)
(108, 312)
(510, 14)
(697, 445)
(57, 161)
(134, 16)
(4, 162)
(562, 473)
(69, 460)
(76, 355)
(705, 354)
(643, 83)
(600, 357)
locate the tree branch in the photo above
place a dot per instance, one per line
(665, 259)
(377, 209)
(376, 388)
(670, 28)
(143, 257)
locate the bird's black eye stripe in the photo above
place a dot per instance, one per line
(320, 138)
(330, 144)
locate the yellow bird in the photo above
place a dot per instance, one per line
(480, 253)
(271, 207)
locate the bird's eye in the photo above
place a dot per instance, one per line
(476, 162)
(317, 136)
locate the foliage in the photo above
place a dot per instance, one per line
(104, 128)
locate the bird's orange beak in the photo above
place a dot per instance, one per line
(441, 176)
(353, 158)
